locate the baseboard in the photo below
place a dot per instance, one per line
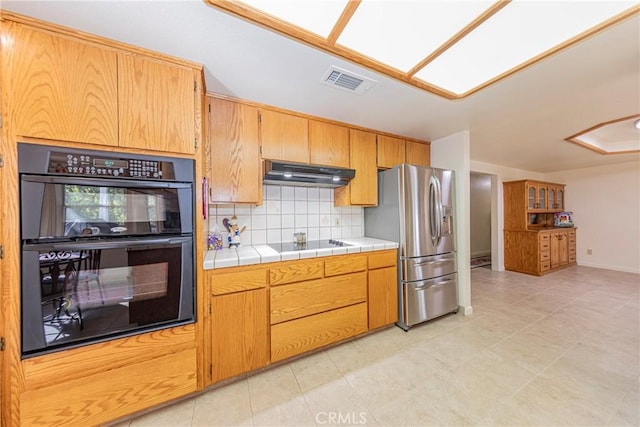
(465, 310)
(609, 267)
(480, 253)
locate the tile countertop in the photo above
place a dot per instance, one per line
(258, 254)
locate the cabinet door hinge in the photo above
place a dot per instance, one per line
(209, 308)
(195, 143)
(1, 161)
(195, 86)
(210, 369)
(1, 252)
(2, 344)
(0, 121)
(209, 107)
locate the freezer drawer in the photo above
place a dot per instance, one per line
(429, 299)
(424, 268)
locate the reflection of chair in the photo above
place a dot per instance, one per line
(59, 281)
(90, 272)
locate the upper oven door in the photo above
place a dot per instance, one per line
(60, 207)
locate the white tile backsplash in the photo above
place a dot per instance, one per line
(287, 210)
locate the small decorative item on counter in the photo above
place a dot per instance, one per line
(563, 219)
(215, 239)
(234, 230)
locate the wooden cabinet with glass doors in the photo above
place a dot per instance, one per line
(532, 244)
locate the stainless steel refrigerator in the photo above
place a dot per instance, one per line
(416, 209)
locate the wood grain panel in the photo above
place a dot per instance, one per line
(391, 151)
(382, 298)
(334, 266)
(284, 136)
(308, 333)
(69, 400)
(295, 271)
(239, 333)
(88, 361)
(156, 107)
(417, 153)
(62, 89)
(364, 186)
(521, 251)
(379, 259)
(236, 281)
(236, 174)
(515, 205)
(328, 144)
(315, 296)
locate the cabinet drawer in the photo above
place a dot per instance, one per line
(572, 258)
(543, 237)
(345, 264)
(383, 259)
(236, 281)
(544, 256)
(545, 265)
(296, 271)
(572, 248)
(315, 296)
(544, 246)
(311, 332)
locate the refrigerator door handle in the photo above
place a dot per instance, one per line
(436, 206)
(433, 222)
(434, 285)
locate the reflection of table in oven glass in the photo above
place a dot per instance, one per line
(59, 276)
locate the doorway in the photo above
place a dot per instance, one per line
(480, 222)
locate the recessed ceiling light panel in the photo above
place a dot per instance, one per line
(613, 137)
(317, 16)
(520, 31)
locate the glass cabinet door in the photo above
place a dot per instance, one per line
(542, 198)
(553, 204)
(560, 199)
(532, 198)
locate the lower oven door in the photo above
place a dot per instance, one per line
(82, 292)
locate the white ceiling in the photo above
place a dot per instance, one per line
(519, 122)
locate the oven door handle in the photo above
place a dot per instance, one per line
(103, 182)
(106, 244)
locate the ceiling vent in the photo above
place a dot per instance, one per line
(347, 80)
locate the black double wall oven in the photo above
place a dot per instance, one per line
(107, 245)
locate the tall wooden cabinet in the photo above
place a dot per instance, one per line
(531, 242)
(363, 189)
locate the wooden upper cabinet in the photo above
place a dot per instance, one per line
(328, 144)
(363, 189)
(284, 136)
(417, 153)
(391, 151)
(61, 88)
(156, 105)
(232, 133)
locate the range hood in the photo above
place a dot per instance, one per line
(301, 174)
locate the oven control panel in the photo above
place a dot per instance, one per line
(111, 167)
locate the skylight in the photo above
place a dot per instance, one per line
(449, 47)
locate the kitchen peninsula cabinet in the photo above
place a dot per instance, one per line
(328, 144)
(62, 88)
(157, 103)
(234, 152)
(284, 136)
(363, 189)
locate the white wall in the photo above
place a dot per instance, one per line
(605, 201)
(480, 210)
(452, 152)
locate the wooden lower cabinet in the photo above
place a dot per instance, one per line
(539, 251)
(309, 333)
(383, 289)
(239, 333)
(95, 384)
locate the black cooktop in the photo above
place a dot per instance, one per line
(310, 244)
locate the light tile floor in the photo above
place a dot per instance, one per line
(559, 350)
